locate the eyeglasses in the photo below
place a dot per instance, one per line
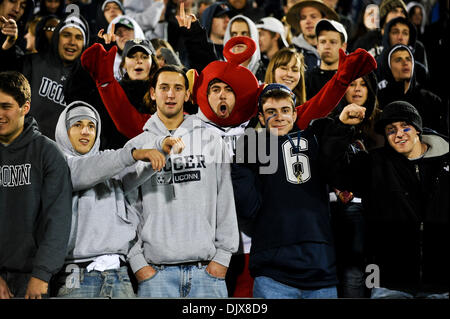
(49, 28)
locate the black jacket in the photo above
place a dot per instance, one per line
(406, 209)
(433, 111)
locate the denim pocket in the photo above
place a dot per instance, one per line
(209, 275)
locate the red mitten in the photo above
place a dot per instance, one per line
(99, 63)
(354, 65)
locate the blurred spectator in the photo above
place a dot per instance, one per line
(215, 20)
(418, 17)
(303, 17)
(245, 8)
(30, 36)
(148, 14)
(372, 41)
(241, 25)
(44, 32)
(54, 7)
(271, 38)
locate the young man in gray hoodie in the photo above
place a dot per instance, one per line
(188, 230)
(104, 222)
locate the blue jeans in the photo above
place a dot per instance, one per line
(384, 293)
(267, 288)
(113, 283)
(189, 281)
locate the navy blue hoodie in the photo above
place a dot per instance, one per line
(35, 204)
(291, 234)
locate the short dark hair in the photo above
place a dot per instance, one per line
(169, 68)
(15, 84)
(214, 81)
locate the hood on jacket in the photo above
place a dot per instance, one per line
(371, 102)
(385, 68)
(65, 21)
(414, 4)
(138, 32)
(412, 32)
(208, 15)
(62, 138)
(254, 35)
(300, 42)
(29, 133)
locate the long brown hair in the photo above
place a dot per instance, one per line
(282, 58)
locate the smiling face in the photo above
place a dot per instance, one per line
(82, 135)
(278, 115)
(137, 65)
(288, 74)
(221, 99)
(357, 92)
(404, 139)
(13, 9)
(11, 117)
(70, 44)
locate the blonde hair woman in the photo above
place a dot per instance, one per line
(287, 67)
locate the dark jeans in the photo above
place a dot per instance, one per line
(17, 283)
(348, 227)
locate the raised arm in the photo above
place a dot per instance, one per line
(99, 63)
(351, 67)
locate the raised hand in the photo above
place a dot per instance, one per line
(9, 28)
(352, 114)
(183, 19)
(108, 37)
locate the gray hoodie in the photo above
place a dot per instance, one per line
(188, 207)
(103, 222)
(255, 60)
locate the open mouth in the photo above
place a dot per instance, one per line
(138, 70)
(84, 141)
(223, 110)
(70, 51)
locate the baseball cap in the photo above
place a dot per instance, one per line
(138, 43)
(273, 25)
(221, 9)
(125, 22)
(332, 25)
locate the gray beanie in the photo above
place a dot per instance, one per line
(79, 113)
